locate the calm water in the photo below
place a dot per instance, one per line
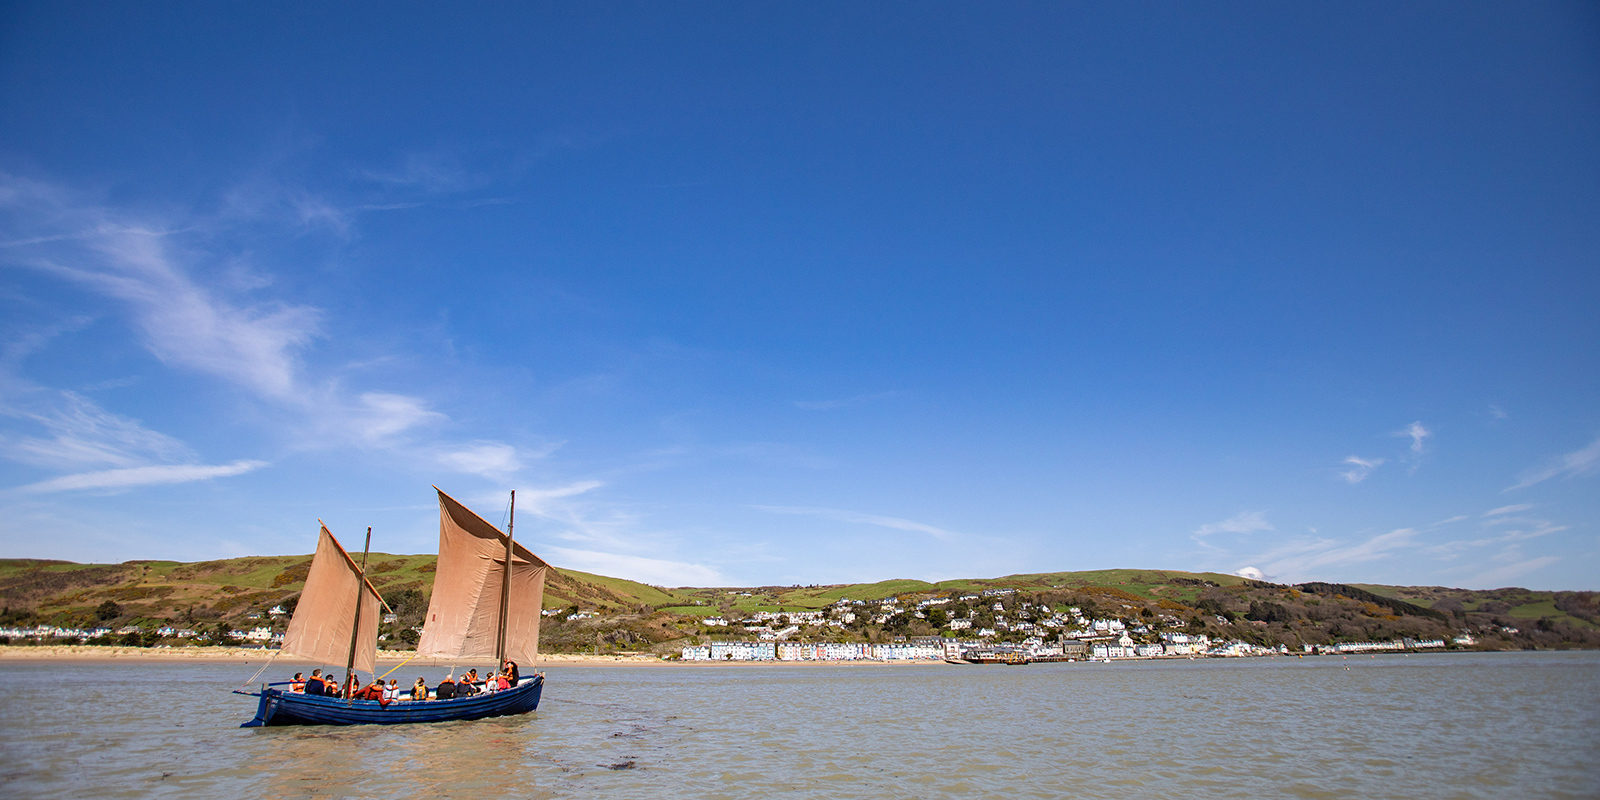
(1447, 725)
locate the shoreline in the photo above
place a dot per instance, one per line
(386, 658)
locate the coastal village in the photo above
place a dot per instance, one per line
(1046, 634)
(998, 628)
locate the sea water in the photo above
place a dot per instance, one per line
(1418, 726)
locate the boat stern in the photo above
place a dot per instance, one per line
(264, 709)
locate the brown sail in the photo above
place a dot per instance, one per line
(320, 628)
(464, 613)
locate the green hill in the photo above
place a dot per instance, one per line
(612, 613)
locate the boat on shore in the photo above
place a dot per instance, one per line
(487, 595)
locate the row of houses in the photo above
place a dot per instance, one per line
(817, 651)
(1372, 647)
(260, 634)
(1172, 645)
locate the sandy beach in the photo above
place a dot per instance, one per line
(386, 658)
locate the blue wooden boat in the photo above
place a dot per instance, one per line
(487, 595)
(279, 706)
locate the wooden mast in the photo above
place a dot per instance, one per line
(355, 624)
(505, 588)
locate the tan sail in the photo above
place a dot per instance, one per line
(320, 628)
(464, 612)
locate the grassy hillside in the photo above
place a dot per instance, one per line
(616, 613)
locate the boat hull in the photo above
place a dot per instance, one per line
(278, 707)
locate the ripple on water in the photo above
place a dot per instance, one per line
(1450, 725)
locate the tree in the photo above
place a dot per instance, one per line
(937, 618)
(108, 611)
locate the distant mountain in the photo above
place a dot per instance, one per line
(588, 612)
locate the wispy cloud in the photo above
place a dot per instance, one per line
(1417, 434)
(654, 571)
(381, 415)
(80, 433)
(1577, 462)
(858, 518)
(1304, 559)
(131, 477)
(1501, 529)
(139, 262)
(1503, 510)
(844, 402)
(493, 460)
(203, 311)
(1501, 576)
(1359, 469)
(539, 498)
(1242, 522)
(434, 173)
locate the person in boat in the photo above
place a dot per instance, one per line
(391, 693)
(468, 685)
(316, 686)
(298, 683)
(502, 682)
(372, 691)
(491, 684)
(446, 689)
(509, 669)
(419, 691)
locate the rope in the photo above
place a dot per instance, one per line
(263, 669)
(399, 665)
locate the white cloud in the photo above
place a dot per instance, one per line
(1360, 468)
(1242, 522)
(381, 415)
(1252, 573)
(130, 477)
(540, 498)
(1503, 510)
(1302, 559)
(427, 172)
(858, 518)
(81, 433)
(494, 460)
(654, 571)
(1577, 462)
(1417, 434)
(143, 264)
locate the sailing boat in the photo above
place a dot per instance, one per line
(480, 609)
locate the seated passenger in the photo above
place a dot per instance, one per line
(509, 669)
(446, 689)
(420, 690)
(391, 693)
(502, 681)
(298, 683)
(315, 686)
(468, 684)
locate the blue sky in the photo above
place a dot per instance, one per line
(758, 293)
